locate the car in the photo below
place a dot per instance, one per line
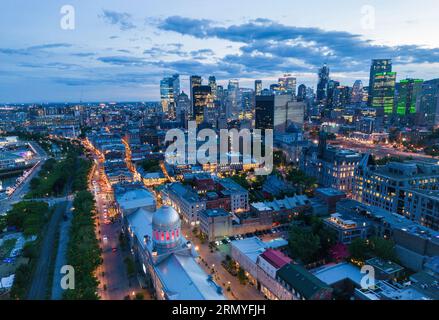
(224, 241)
(105, 238)
(114, 249)
(232, 238)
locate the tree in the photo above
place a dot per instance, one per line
(339, 252)
(382, 248)
(301, 181)
(21, 282)
(359, 249)
(304, 244)
(241, 276)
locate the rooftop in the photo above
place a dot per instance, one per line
(132, 197)
(301, 280)
(387, 267)
(211, 213)
(253, 247)
(332, 274)
(276, 258)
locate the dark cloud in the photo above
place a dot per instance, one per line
(121, 19)
(265, 41)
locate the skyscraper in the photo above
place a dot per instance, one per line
(258, 87)
(378, 66)
(357, 92)
(195, 81)
(183, 106)
(203, 103)
(233, 99)
(408, 92)
(213, 86)
(277, 112)
(287, 85)
(301, 93)
(169, 91)
(322, 84)
(264, 112)
(428, 104)
(383, 93)
(332, 85)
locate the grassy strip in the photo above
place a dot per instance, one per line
(83, 253)
(23, 274)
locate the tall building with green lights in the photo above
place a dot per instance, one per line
(408, 91)
(383, 93)
(378, 66)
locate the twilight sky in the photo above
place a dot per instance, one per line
(119, 49)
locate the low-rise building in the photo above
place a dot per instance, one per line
(347, 227)
(130, 197)
(389, 186)
(330, 197)
(302, 284)
(423, 206)
(215, 223)
(386, 270)
(332, 167)
(183, 199)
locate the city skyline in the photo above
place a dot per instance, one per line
(119, 52)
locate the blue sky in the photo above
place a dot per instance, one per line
(119, 50)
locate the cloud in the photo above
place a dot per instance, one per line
(123, 61)
(121, 19)
(265, 41)
(84, 54)
(33, 49)
(50, 46)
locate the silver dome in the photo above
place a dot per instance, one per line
(165, 218)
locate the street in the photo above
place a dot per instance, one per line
(222, 276)
(378, 150)
(112, 274)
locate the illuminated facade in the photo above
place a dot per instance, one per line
(331, 167)
(169, 91)
(383, 96)
(377, 66)
(385, 186)
(168, 260)
(202, 103)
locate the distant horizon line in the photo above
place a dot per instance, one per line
(77, 102)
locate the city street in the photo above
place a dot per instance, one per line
(112, 274)
(378, 150)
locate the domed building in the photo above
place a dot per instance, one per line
(166, 229)
(168, 260)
